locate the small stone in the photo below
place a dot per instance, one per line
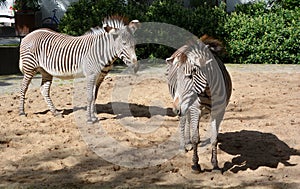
(70, 161)
(116, 167)
(268, 124)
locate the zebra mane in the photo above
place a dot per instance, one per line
(108, 23)
(200, 52)
(115, 21)
(181, 53)
(202, 47)
(213, 45)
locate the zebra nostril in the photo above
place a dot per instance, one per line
(178, 112)
(134, 61)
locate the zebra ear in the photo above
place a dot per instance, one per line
(134, 25)
(170, 60)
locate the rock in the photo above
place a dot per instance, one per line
(70, 161)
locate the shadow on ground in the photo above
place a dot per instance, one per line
(123, 109)
(254, 149)
(93, 171)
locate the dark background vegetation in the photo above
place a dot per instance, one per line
(254, 33)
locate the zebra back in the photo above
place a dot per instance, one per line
(95, 31)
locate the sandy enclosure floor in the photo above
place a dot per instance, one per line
(259, 137)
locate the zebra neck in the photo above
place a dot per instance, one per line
(105, 47)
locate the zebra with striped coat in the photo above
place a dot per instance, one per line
(199, 83)
(59, 55)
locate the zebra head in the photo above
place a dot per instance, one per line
(181, 85)
(125, 44)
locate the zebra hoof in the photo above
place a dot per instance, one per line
(57, 114)
(22, 114)
(92, 120)
(196, 169)
(182, 151)
(217, 170)
(188, 147)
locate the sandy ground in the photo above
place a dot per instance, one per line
(135, 142)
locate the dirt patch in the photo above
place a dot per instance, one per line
(259, 143)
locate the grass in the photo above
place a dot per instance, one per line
(9, 45)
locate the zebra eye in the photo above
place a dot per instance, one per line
(194, 70)
(190, 76)
(124, 43)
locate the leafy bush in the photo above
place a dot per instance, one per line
(84, 14)
(255, 34)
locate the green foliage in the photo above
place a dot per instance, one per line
(262, 35)
(288, 4)
(252, 8)
(254, 33)
(84, 14)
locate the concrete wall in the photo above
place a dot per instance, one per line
(9, 60)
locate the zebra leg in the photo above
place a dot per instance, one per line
(182, 122)
(214, 159)
(196, 168)
(215, 123)
(45, 90)
(188, 144)
(195, 117)
(98, 83)
(24, 86)
(91, 92)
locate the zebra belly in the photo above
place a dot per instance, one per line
(63, 75)
(69, 76)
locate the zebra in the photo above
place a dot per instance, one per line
(198, 83)
(59, 55)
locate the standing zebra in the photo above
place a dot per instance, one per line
(59, 55)
(199, 83)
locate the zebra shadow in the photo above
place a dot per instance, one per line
(63, 111)
(123, 109)
(254, 149)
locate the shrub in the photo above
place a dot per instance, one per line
(262, 35)
(254, 33)
(199, 20)
(84, 14)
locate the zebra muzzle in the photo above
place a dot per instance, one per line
(176, 111)
(135, 65)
